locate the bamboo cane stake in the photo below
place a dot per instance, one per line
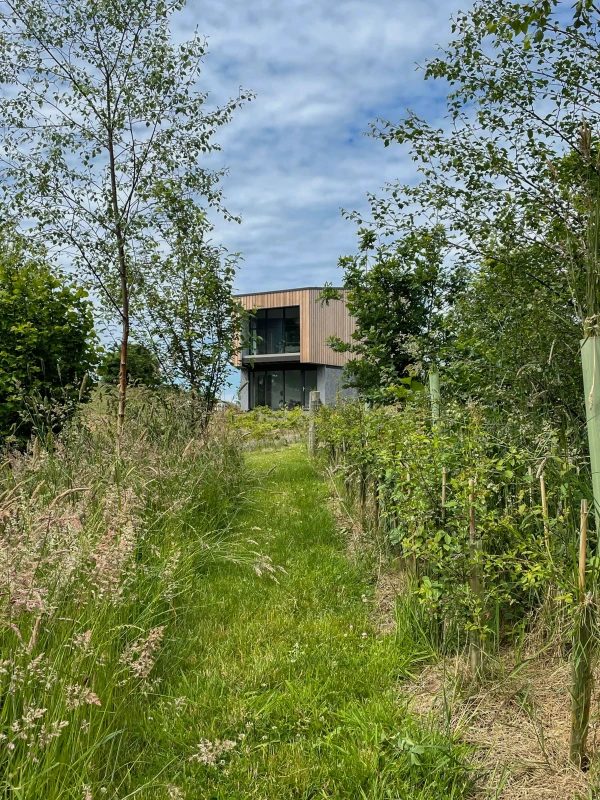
(583, 548)
(475, 579)
(581, 694)
(434, 393)
(444, 485)
(545, 512)
(313, 407)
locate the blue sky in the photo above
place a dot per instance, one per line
(321, 72)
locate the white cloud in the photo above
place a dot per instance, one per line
(321, 71)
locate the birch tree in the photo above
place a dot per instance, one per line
(103, 117)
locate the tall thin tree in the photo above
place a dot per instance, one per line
(102, 114)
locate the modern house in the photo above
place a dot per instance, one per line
(287, 354)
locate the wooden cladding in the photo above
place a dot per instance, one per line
(317, 322)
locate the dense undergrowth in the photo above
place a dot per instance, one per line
(263, 426)
(522, 553)
(102, 557)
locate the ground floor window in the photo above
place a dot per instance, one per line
(277, 388)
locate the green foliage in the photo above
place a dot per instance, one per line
(396, 293)
(186, 312)
(105, 133)
(513, 342)
(46, 342)
(262, 425)
(400, 455)
(516, 192)
(143, 368)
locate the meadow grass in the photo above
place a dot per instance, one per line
(280, 685)
(99, 558)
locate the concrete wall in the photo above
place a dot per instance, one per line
(329, 384)
(244, 389)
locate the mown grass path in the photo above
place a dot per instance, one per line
(292, 671)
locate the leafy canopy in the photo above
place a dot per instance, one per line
(46, 341)
(142, 367)
(397, 292)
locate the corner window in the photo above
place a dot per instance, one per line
(275, 330)
(279, 388)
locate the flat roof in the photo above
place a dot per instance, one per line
(298, 289)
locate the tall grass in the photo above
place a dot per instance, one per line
(99, 558)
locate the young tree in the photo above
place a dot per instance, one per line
(103, 116)
(513, 342)
(46, 338)
(185, 311)
(397, 293)
(515, 168)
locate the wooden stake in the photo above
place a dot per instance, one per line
(475, 583)
(434, 393)
(444, 483)
(583, 548)
(313, 407)
(583, 640)
(545, 512)
(472, 530)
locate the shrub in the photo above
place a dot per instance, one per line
(142, 367)
(395, 457)
(46, 343)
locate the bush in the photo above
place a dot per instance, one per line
(46, 343)
(393, 458)
(142, 367)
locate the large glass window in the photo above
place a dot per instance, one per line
(275, 389)
(259, 379)
(293, 388)
(275, 330)
(292, 330)
(283, 387)
(310, 383)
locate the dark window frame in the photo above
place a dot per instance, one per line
(283, 369)
(289, 336)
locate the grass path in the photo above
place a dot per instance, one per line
(292, 672)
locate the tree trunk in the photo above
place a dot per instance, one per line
(122, 263)
(123, 368)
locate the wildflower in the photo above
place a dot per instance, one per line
(175, 793)
(86, 792)
(179, 703)
(209, 753)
